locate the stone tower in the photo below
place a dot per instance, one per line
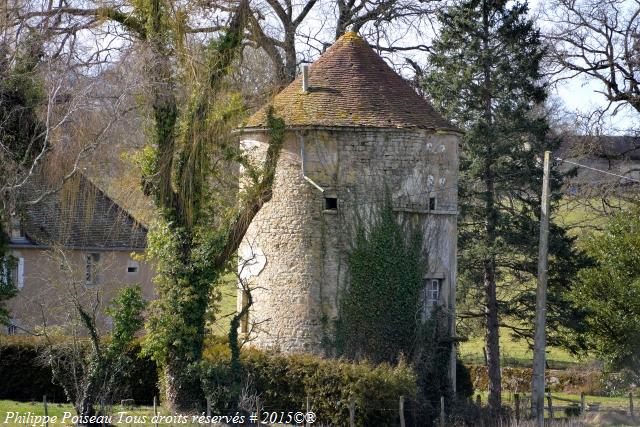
(355, 129)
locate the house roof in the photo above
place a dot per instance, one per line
(79, 216)
(350, 85)
(601, 146)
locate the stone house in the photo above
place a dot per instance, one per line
(76, 243)
(354, 130)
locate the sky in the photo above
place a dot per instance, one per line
(579, 95)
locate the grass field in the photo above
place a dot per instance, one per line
(229, 291)
(516, 353)
(122, 416)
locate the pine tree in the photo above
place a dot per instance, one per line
(485, 76)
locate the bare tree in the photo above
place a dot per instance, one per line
(599, 40)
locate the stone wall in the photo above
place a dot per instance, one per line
(299, 247)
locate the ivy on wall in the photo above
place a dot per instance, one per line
(379, 313)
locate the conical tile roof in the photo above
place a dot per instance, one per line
(350, 85)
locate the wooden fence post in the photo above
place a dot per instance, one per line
(208, 410)
(46, 409)
(582, 403)
(550, 404)
(442, 415)
(258, 411)
(155, 411)
(517, 403)
(352, 411)
(631, 406)
(102, 410)
(402, 424)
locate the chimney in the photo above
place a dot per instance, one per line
(305, 78)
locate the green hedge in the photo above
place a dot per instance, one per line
(21, 376)
(24, 378)
(284, 382)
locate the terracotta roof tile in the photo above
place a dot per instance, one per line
(352, 86)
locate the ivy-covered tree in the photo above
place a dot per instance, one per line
(610, 292)
(485, 76)
(22, 139)
(191, 149)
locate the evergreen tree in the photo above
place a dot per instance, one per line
(485, 76)
(610, 291)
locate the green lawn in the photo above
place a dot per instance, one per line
(608, 403)
(119, 414)
(516, 353)
(229, 291)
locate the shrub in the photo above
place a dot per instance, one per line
(24, 377)
(284, 382)
(519, 379)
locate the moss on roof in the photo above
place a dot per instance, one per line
(350, 85)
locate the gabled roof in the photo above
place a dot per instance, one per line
(81, 216)
(350, 85)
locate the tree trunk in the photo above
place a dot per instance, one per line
(182, 392)
(492, 337)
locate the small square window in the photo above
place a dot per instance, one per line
(331, 203)
(132, 267)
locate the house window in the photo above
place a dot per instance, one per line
(20, 273)
(17, 232)
(91, 277)
(331, 203)
(432, 292)
(432, 203)
(132, 267)
(12, 328)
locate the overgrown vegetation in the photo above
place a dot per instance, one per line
(283, 383)
(381, 310)
(610, 292)
(21, 138)
(382, 316)
(91, 371)
(27, 377)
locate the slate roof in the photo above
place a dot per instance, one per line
(350, 85)
(601, 146)
(81, 216)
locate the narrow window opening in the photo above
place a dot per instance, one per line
(331, 203)
(91, 272)
(132, 269)
(432, 203)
